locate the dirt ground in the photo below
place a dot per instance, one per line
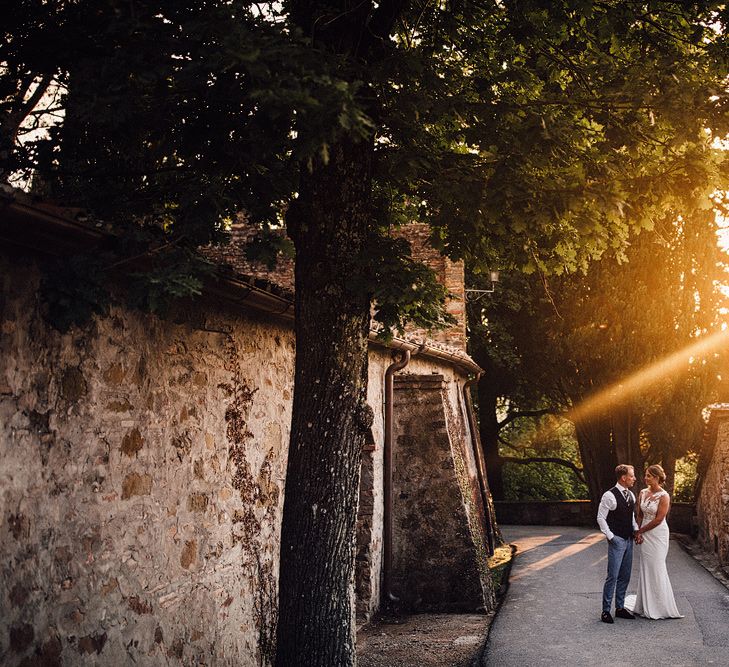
(434, 640)
(424, 640)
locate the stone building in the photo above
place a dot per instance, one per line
(142, 468)
(712, 489)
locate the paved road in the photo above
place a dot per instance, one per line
(551, 614)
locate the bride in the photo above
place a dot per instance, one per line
(655, 595)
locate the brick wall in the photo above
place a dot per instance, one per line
(450, 274)
(233, 254)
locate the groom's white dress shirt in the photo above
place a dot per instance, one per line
(609, 503)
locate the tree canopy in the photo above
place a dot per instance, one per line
(592, 332)
(532, 134)
(529, 134)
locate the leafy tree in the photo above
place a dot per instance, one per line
(535, 133)
(542, 460)
(508, 337)
(597, 330)
(655, 305)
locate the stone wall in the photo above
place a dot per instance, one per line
(141, 484)
(712, 502)
(142, 467)
(577, 513)
(459, 491)
(439, 552)
(370, 512)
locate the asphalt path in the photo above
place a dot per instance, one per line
(551, 613)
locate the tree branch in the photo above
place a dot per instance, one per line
(40, 90)
(546, 459)
(23, 88)
(384, 18)
(506, 443)
(527, 413)
(15, 119)
(646, 19)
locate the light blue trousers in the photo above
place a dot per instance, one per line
(619, 564)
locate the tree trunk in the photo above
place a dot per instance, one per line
(488, 427)
(598, 455)
(636, 458)
(620, 422)
(626, 440)
(669, 467)
(328, 224)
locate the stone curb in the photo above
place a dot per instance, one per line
(480, 661)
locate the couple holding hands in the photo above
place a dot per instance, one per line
(623, 521)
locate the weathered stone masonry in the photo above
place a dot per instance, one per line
(440, 555)
(142, 468)
(712, 500)
(141, 483)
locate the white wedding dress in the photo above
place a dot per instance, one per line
(655, 594)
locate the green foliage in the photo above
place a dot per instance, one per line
(268, 246)
(175, 118)
(142, 269)
(180, 275)
(685, 482)
(541, 481)
(536, 135)
(73, 291)
(623, 317)
(549, 436)
(542, 138)
(402, 289)
(205, 132)
(509, 336)
(559, 340)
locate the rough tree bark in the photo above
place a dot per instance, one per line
(329, 225)
(597, 453)
(626, 435)
(669, 467)
(626, 438)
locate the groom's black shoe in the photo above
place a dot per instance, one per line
(624, 613)
(606, 618)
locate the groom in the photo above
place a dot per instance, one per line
(616, 518)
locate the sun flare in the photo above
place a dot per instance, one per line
(642, 379)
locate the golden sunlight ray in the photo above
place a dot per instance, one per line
(642, 379)
(547, 561)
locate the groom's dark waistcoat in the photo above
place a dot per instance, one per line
(620, 520)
